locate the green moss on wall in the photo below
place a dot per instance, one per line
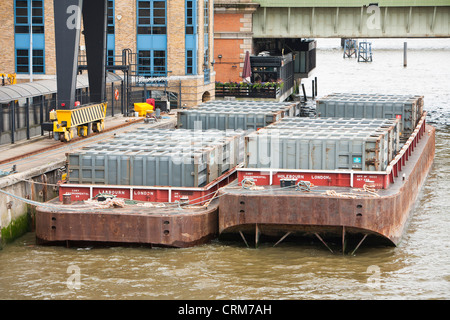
(16, 228)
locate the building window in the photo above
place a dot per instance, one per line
(23, 61)
(159, 63)
(191, 36)
(206, 43)
(111, 15)
(111, 46)
(206, 17)
(151, 17)
(144, 65)
(152, 63)
(38, 61)
(110, 58)
(27, 11)
(206, 32)
(190, 16)
(189, 62)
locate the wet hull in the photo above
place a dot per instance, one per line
(167, 227)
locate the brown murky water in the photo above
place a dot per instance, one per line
(419, 268)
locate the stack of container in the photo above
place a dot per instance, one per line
(323, 144)
(158, 157)
(391, 126)
(408, 109)
(235, 115)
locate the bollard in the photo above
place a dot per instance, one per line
(67, 198)
(304, 92)
(405, 46)
(312, 96)
(315, 83)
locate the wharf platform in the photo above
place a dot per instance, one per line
(28, 154)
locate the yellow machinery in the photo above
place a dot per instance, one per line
(142, 108)
(7, 79)
(67, 123)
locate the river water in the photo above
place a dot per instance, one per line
(419, 268)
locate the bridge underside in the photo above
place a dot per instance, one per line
(352, 22)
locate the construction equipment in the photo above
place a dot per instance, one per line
(143, 108)
(8, 79)
(70, 117)
(80, 121)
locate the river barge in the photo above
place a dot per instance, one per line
(358, 184)
(159, 216)
(152, 187)
(336, 206)
(163, 183)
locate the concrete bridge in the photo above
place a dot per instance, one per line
(352, 19)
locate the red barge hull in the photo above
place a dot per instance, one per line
(130, 225)
(332, 208)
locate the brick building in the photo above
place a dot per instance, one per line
(172, 40)
(233, 36)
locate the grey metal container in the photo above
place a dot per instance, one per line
(179, 158)
(389, 126)
(319, 151)
(408, 109)
(244, 115)
(139, 170)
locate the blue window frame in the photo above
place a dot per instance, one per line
(206, 31)
(152, 63)
(189, 61)
(151, 17)
(111, 46)
(110, 61)
(190, 16)
(191, 36)
(111, 15)
(152, 38)
(23, 61)
(206, 42)
(27, 13)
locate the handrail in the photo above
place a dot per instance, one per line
(395, 166)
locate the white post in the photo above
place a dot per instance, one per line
(405, 46)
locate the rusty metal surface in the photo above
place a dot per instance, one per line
(308, 212)
(172, 227)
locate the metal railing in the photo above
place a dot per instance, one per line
(248, 92)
